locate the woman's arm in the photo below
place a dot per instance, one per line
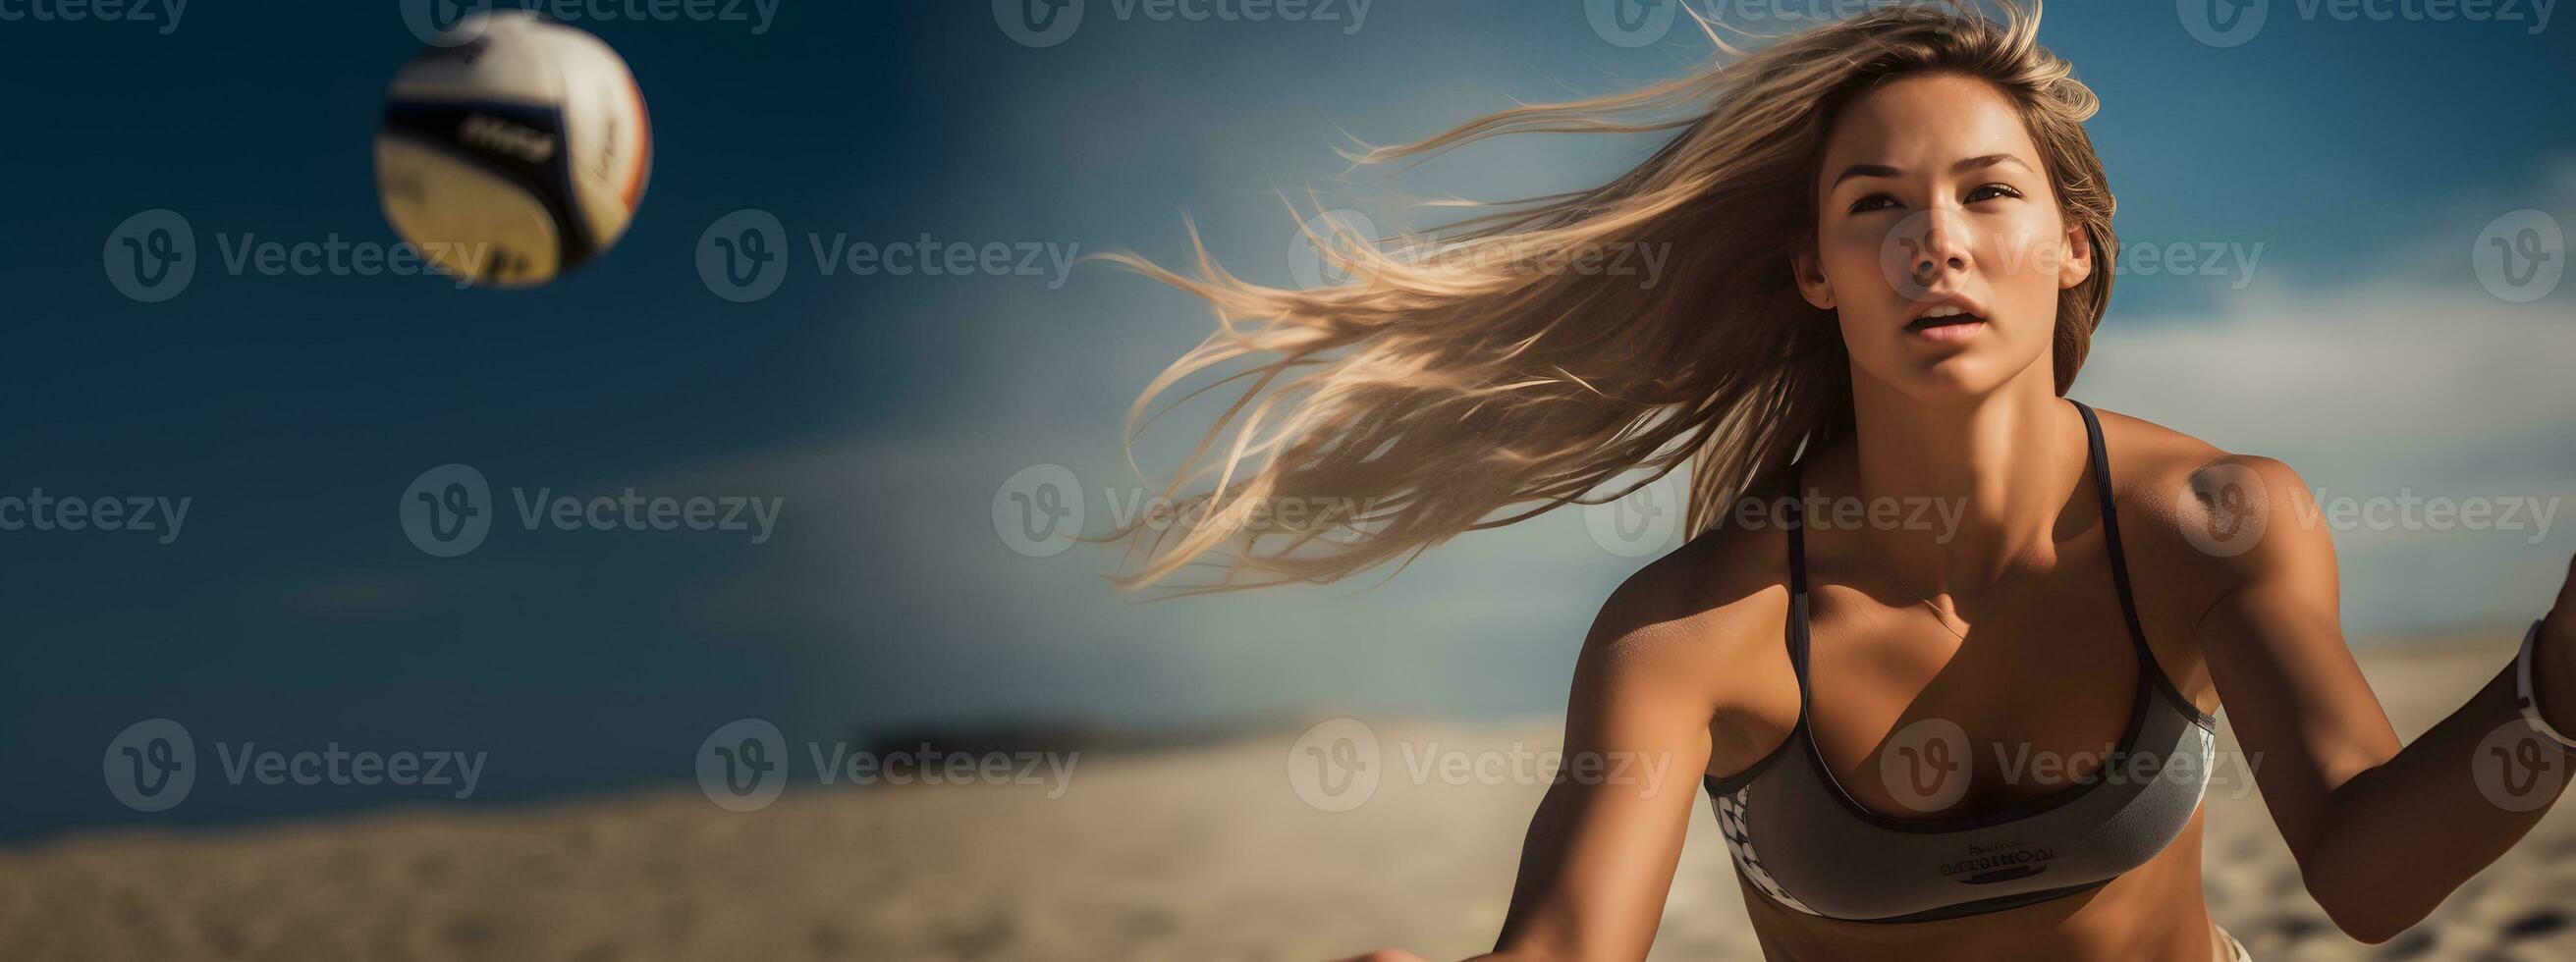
(1598, 859)
(1669, 652)
(2382, 834)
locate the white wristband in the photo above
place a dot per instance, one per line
(2522, 699)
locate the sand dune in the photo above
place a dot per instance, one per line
(1198, 854)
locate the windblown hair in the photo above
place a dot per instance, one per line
(1466, 380)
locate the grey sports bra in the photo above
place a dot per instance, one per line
(1795, 834)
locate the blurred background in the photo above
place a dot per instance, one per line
(2343, 231)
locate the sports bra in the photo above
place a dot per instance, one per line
(1809, 846)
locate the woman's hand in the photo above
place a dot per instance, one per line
(1386, 955)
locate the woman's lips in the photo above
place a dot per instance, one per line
(1958, 327)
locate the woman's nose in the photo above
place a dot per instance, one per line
(1942, 247)
(1925, 249)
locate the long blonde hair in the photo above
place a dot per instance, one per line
(1465, 380)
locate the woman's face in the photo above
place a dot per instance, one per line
(1934, 203)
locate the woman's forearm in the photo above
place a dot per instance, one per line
(2398, 838)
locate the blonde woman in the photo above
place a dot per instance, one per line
(1889, 239)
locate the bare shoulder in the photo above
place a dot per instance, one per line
(1702, 621)
(2206, 516)
(1717, 582)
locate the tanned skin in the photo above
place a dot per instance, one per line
(1688, 659)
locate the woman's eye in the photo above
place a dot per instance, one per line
(1872, 202)
(1998, 190)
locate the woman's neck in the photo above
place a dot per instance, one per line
(1978, 484)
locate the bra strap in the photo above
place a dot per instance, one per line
(2111, 532)
(1797, 524)
(1797, 537)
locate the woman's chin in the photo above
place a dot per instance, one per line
(1952, 376)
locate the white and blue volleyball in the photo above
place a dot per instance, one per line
(513, 149)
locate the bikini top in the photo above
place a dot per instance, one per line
(1807, 844)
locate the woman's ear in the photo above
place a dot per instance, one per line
(2077, 265)
(1810, 272)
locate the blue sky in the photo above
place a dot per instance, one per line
(2351, 163)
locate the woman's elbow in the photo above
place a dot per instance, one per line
(2366, 919)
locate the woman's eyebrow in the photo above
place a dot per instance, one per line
(1964, 166)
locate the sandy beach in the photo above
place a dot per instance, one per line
(1206, 853)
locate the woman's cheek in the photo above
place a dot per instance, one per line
(1856, 277)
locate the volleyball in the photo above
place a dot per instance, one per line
(513, 149)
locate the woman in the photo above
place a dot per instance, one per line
(1891, 240)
